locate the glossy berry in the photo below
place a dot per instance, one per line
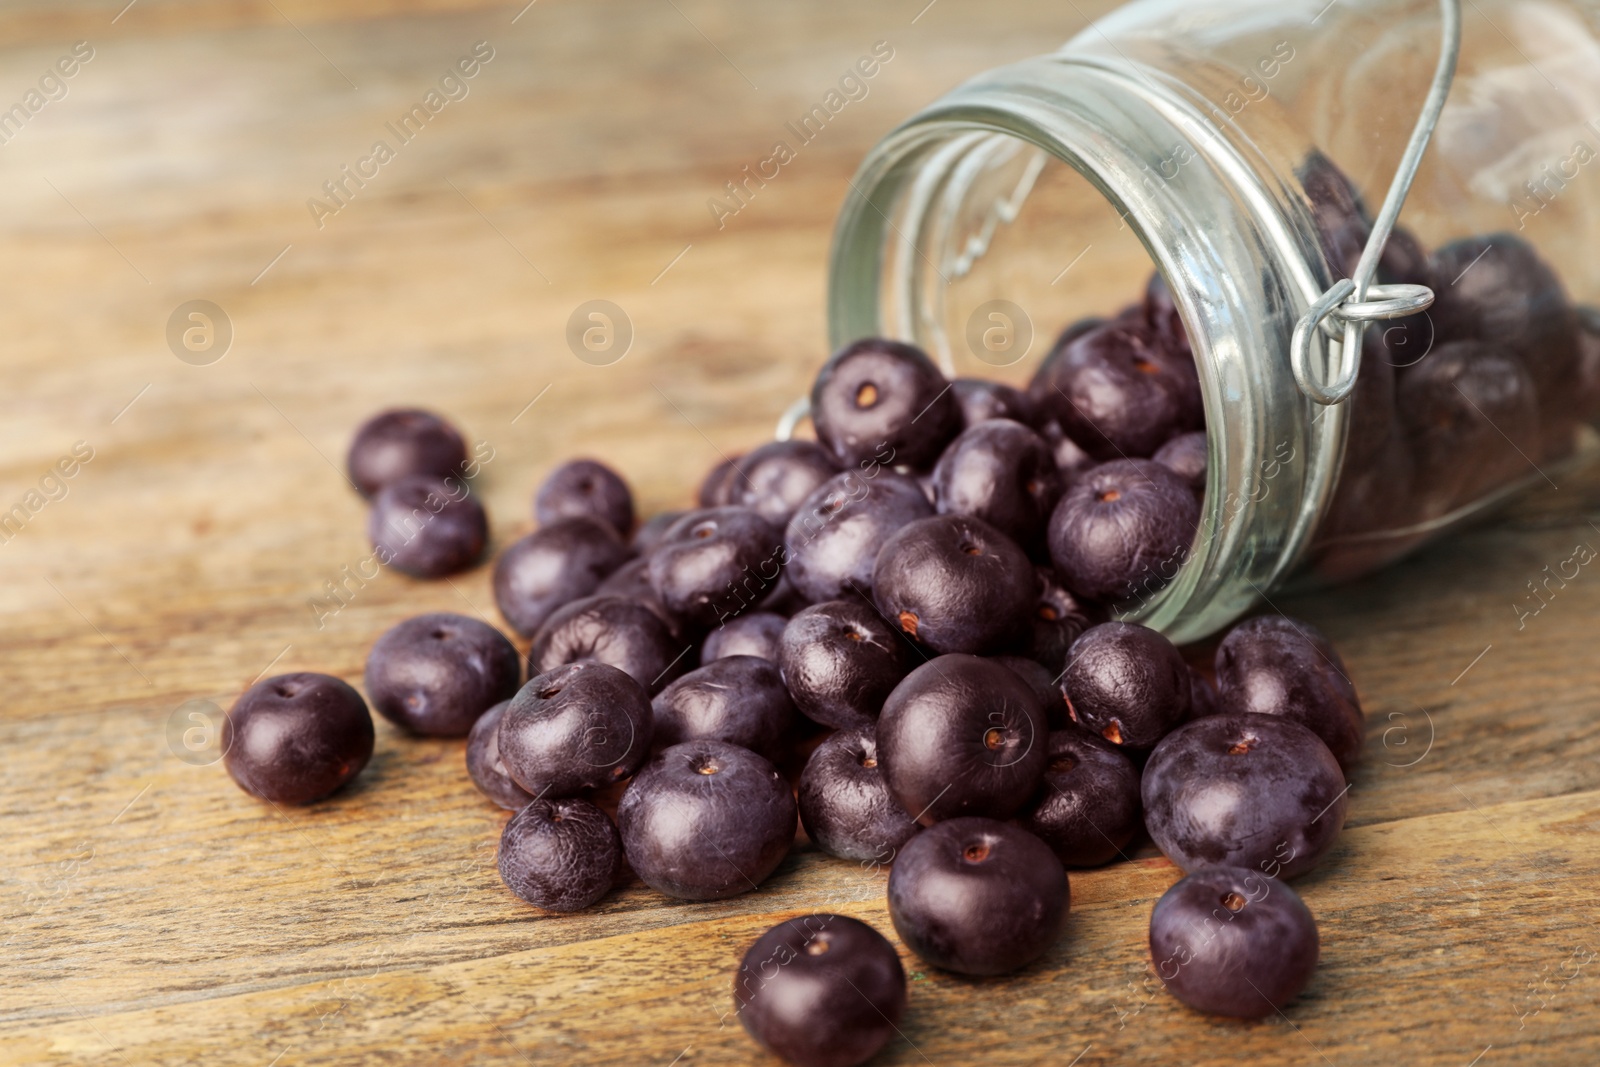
(755, 633)
(981, 399)
(779, 475)
(555, 565)
(977, 896)
(1088, 808)
(834, 537)
(1471, 418)
(954, 583)
(403, 442)
(706, 820)
(1185, 456)
(296, 738)
(1256, 791)
(580, 726)
(737, 699)
(710, 563)
(1002, 472)
(1058, 618)
(435, 674)
(627, 634)
(845, 804)
(1117, 393)
(1122, 530)
(962, 735)
(427, 527)
(1127, 684)
(1274, 665)
(883, 402)
(585, 488)
(1231, 941)
(841, 660)
(484, 765)
(560, 854)
(821, 991)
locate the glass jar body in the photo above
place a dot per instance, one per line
(1240, 146)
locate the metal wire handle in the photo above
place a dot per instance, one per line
(1346, 304)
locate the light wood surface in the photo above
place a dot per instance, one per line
(153, 913)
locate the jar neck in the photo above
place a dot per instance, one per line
(1232, 238)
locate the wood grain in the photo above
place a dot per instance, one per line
(153, 913)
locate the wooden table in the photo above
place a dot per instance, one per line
(153, 913)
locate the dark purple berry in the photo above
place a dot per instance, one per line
(1203, 699)
(580, 726)
(1126, 683)
(841, 660)
(962, 735)
(1274, 665)
(1058, 619)
(1123, 529)
(779, 475)
(954, 583)
(588, 489)
(1336, 211)
(627, 634)
(649, 533)
(737, 699)
(484, 765)
(981, 399)
(1071, 459)
(560, 854)
(555, 565)
(1160, 311)
(754, 633)
(1499, 291)
(1003, 473)
(845, 804)
(400, 443)
(833, 539)
(295, 738)
(1185, 456)
(977, 896)
(1232, 941)
(821, 991)
(435, 674)
(1472, 420)
(717, 488)
(632, 582)
(711, 562)
(706, 820)
(1043, 683)
(1257, 791)
(1088, 808)
(883, 402)
(427, 527)
(1117, 393)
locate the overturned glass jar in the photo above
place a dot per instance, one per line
(1237, 145)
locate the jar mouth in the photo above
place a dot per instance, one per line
(1237, 248)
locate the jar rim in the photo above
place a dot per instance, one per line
(1231, 235)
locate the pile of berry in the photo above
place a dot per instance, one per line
(899, 634)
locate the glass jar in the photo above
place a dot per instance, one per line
(1237, 144)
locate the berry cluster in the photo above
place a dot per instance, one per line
(897, 635)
